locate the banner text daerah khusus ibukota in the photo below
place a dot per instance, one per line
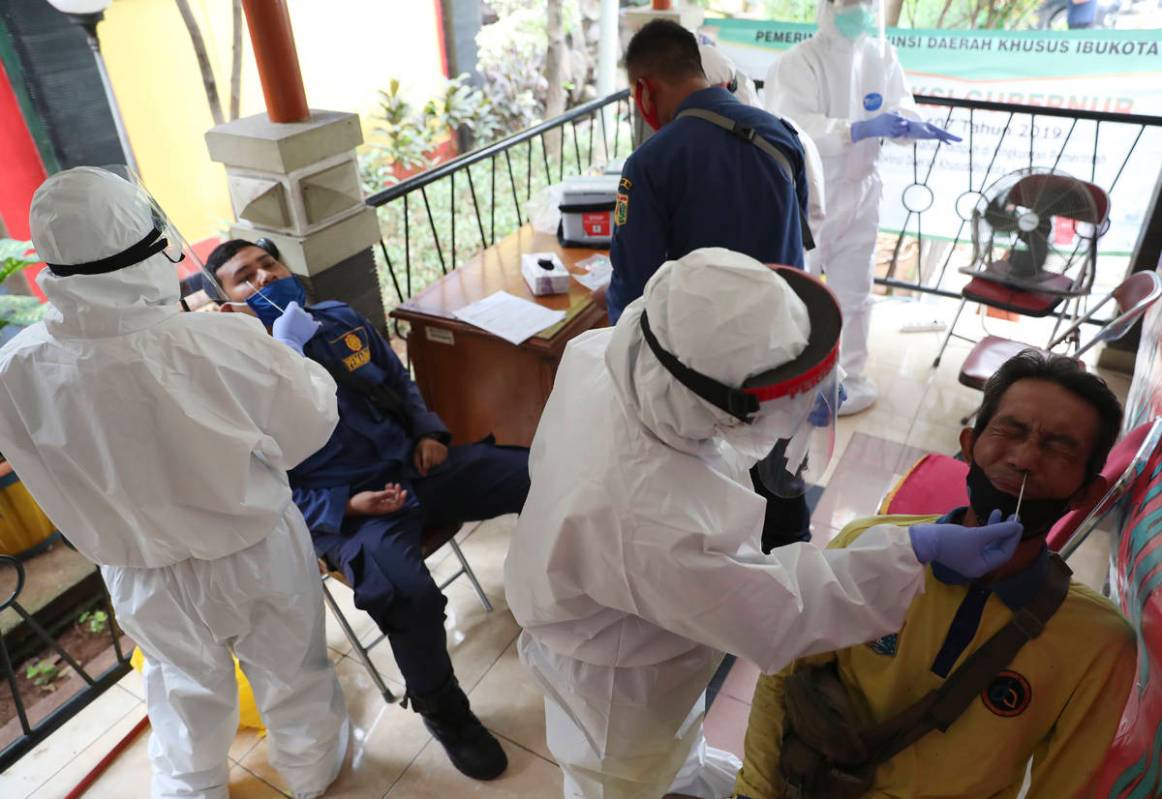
(986, 43)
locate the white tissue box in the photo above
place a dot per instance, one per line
(543, 281)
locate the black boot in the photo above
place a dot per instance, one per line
(470, 747)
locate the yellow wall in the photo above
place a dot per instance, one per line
(348, 49)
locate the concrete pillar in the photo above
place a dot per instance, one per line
(298, 185)
(293, 177)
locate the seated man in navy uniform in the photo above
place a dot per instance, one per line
(385, 475)
(696, 184)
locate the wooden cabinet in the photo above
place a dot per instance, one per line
(480, 384)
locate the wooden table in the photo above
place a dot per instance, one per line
(480, 384)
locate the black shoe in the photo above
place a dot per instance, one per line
(471, 748)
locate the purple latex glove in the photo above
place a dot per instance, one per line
(820, 415)
(295, 327)
(925, 130)
(888, 125)
(970, 551)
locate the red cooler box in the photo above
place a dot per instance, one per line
(587, 210)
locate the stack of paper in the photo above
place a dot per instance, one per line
(511, 318)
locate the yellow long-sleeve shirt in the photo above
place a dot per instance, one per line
(1059, 701)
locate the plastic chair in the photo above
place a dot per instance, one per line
(433, 539)
(1133, 298)
(934, 484)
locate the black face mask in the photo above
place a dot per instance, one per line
(1037, 515)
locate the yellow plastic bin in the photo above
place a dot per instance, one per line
(248, 715)
(23, 524)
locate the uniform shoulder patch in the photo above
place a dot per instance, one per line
(355, 344)
(621, 209)
(1008, 695)
(625, 184)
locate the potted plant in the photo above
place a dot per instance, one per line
(23, 525)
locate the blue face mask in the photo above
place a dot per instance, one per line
(280, 293)
(855, 22)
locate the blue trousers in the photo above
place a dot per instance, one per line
(381, 557)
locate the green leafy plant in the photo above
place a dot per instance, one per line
(95, 621)
(43, 674)
(400, 138)
(17, 309)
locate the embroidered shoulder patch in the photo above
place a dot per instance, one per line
(621, 209)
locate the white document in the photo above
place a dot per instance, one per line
(511, 318)
(599, 274)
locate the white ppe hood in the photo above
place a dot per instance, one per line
(766, 327)
(86, 214)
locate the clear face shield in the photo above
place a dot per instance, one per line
(200, 291)
(792, 407)
(799, 461)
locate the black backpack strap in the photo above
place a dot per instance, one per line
(750, 136)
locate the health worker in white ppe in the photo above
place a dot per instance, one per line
(844, 86)
(635, 564)
(158, 442)
(721, 71)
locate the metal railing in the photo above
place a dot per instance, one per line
(471, 215)
(964, 114)
(426, 255)
(33, 731)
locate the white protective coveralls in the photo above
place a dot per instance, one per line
(158, 442)
(824, 84)
(719, 70)
(635, 564)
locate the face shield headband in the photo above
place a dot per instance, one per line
(814, 364)
(153, 243)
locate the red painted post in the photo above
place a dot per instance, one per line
(278, 62)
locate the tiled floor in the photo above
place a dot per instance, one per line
(393, 755)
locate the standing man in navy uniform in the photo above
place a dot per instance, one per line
(385, 475)
(717, 173)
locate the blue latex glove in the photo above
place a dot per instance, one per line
(820, 415)
(924, 130)
(888, 125)
(970, 551)
(295, 327)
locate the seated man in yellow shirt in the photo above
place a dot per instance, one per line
(1048, 424)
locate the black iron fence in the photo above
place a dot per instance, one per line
(1100, 147)
(433, 221)
(39, 641)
